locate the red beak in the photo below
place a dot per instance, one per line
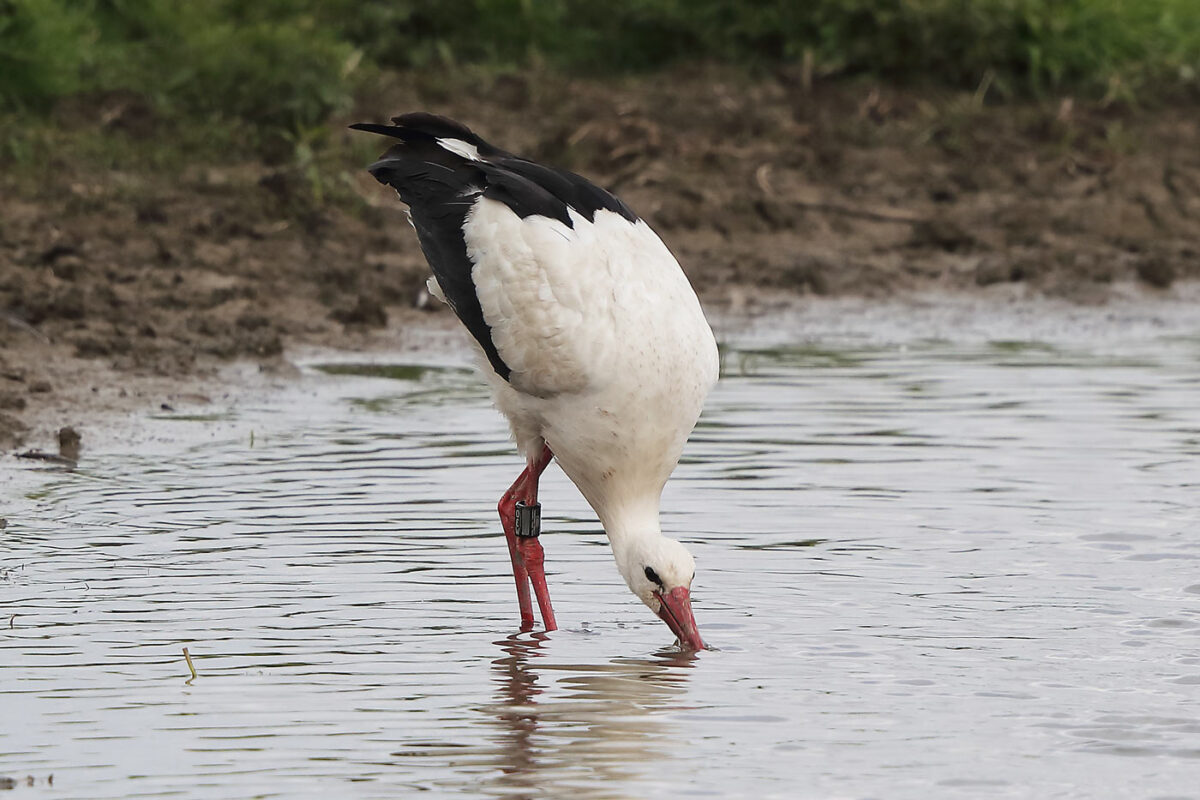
(675, 609)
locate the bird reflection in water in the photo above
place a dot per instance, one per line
(581, 727)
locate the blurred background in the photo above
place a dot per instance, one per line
(177, 181)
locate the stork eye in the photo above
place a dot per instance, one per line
(653, 576)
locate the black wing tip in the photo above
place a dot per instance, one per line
(422, 124)
(374, 127)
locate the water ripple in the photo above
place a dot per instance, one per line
(969, 567)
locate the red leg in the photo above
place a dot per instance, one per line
(508, 520)
(526, 552)
(532, 555)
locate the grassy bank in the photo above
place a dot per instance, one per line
(280, 68)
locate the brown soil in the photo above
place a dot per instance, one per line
(123, 282)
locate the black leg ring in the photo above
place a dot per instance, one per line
(529, 520)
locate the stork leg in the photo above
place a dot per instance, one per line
(525, 550)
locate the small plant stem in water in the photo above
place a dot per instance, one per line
(191, 667)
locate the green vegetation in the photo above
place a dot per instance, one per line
(192, 58)
(1027, 46)
(281, 67)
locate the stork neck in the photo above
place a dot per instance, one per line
(631, 521)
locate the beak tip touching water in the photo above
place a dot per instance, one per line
(675, 609)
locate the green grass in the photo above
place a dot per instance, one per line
(198, 59)
(280, 68)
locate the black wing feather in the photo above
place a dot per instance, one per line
(440, 188)
(439, 195)
(568, 188)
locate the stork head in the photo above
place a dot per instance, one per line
(660, 572)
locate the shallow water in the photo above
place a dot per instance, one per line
(932, 570)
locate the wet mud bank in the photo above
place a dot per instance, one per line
(122, 288)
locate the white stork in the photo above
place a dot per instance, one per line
(592, 339)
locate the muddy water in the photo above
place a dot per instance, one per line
(933, 569)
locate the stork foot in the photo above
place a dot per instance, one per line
(534, 559)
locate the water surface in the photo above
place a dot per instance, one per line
(933, 569)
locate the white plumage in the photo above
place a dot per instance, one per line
(610, 351)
